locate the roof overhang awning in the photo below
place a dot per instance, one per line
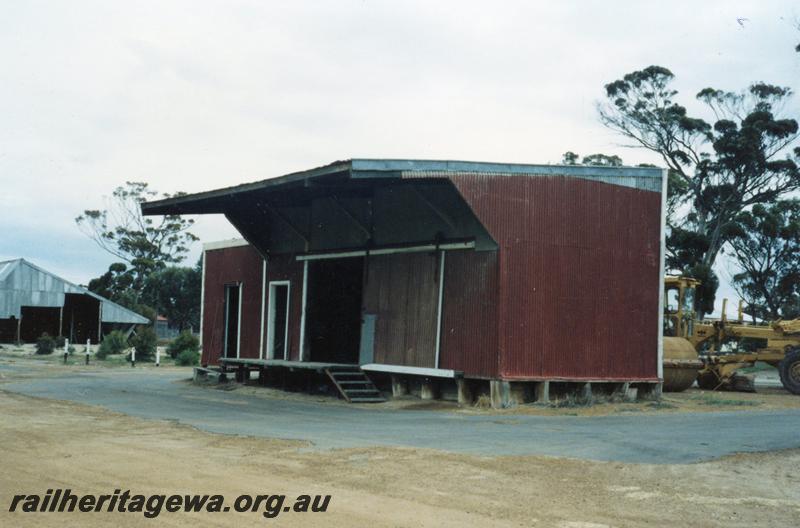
(367, 203)
(347, 205)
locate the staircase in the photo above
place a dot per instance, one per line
(354, 385)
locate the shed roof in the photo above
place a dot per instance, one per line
(23, 283)
(645, 178)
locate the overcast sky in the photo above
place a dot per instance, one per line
(197, 95)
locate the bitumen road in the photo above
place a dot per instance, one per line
(628, 437)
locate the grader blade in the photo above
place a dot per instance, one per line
(722, 373)
(742, 383)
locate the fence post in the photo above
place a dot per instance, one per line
(133, 357)
(158, 357)
(66, 350)
(88, 344)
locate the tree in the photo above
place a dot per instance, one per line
(571, 158)
(116, 285)
(603, 160)
(718, 171)
(175, 293)
(143, 244)
(766, 244)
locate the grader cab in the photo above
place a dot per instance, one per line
(776, 343)
(679, 312)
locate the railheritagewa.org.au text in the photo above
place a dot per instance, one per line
(153, 505)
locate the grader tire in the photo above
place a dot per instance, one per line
(789, 369)
(680, 364)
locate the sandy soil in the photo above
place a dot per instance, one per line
(50, 444)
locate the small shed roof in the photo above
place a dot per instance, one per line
(22, 283)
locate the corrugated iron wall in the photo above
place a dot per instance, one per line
(25, 284)
(469, 313)
(243, 265)
(578, 275)
(403, 291)
(281, 268)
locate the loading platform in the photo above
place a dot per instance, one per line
(255, 364)
(350, 381)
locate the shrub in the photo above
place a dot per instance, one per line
(187, 358)
(144, 342)
(186, 341)
(483, 402)
(113, 343)
(45, 344)
(60, 341)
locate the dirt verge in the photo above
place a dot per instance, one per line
(51, 444)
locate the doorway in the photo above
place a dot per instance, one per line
(278, 320)
(37, 320)
(81, 318)
(333, 309)
(233, 307)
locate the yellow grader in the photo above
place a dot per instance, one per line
(693, 349)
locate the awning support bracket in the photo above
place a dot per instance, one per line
(335, 199)
(283, 218)
(444, 217)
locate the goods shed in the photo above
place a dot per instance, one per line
(440, 269)
(34, 301)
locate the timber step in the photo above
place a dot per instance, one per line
(354, 385)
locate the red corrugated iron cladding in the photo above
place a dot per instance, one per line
(402, 290)
(469, 314)
(231, 265)
(577, 294)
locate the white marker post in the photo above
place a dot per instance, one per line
(88, 344)
(158, 357)
(133, 357)
(66, 350)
